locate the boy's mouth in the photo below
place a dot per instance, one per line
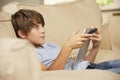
(42, 37)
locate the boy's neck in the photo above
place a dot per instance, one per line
(39, 46)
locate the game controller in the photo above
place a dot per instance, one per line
(90, 30)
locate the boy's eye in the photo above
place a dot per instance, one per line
(36, 26)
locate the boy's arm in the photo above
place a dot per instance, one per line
(92, 54)
(43, 67)
(76, 40)
(60, 61)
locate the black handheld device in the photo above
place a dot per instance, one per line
(90, 30)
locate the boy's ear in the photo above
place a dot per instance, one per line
(21, 34)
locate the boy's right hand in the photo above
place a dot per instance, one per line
(77, 40)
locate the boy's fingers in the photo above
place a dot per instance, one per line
(86, 35)
(76, 31)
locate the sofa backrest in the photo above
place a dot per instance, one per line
(6, 29)
(114, 32)
(62, 19)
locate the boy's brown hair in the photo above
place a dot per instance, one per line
(25, 20)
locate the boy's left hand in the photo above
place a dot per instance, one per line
(96, 39)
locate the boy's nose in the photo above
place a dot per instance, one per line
(42, 29)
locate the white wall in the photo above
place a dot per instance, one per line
(55, 1)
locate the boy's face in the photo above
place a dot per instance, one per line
(36, 35)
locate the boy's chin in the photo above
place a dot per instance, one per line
(41, 43)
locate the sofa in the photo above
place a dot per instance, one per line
(18, 59)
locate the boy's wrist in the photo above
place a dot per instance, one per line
(67, 46)
(95, 47)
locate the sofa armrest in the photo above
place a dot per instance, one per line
(18, 60)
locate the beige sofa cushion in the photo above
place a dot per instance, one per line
(18, 60)
(62, 19)
(114, 29)
(105, 55)
(105, 42)
(80, 75)
(6, 29)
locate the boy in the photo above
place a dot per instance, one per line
(29, 24)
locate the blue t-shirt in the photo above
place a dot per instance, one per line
(50, 51)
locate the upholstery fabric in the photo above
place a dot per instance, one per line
(18, 60)
(114, 29)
